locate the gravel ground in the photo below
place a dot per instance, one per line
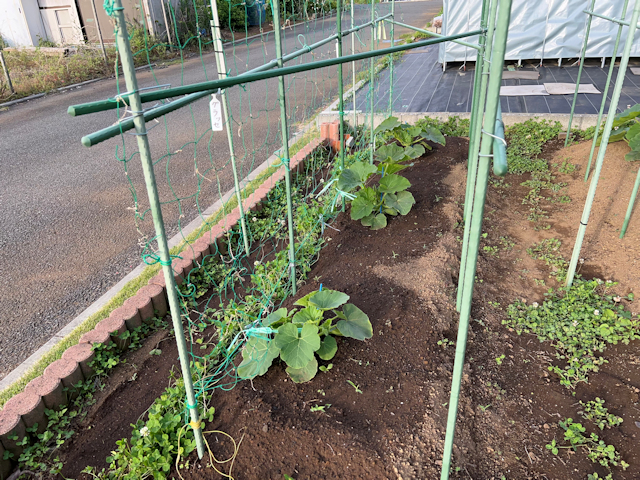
(68, 232)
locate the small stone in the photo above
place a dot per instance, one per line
(545, 426)
(265, 428)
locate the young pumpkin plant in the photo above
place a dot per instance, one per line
(298, 335)
(626, 126)
(373, 202)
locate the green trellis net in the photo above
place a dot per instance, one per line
(229, 292)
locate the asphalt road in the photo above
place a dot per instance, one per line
(69, 230)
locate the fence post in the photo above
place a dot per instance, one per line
(6, 72)
(275, 7)
(154, 202)
(221, 64)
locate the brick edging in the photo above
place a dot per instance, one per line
(47, 391)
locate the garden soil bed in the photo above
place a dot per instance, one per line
(404, 278)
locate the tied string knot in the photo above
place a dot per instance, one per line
(109, 8)
(152, 258)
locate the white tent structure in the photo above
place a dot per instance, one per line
(539, 30)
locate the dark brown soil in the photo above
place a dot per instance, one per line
(404, 278)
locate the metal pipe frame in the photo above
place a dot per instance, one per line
(613, 106)
(284, 157)
(221, 65)
(433, 34)
(129, 73)
(605, 92)
(475, 131)
(119, 101)
(486, 146)
(199, 90)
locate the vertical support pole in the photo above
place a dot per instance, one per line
(475, 130)
(606, 133)
(221, 64)
(393, 17)
(632, 201)
(605, 92)
(275, 7)
(95, 18)
(6, 72)
(373, 47)
(353, 73)
(340, 84)
(493, 98)
(167, 26)
(154, 202)
(582, 55)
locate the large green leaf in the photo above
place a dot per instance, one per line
(304, 301)
(616, 135)
(415, 151)
(379, 221)
(308, 314)
(626, 116)
(633, 132)
(368, 220)
(363, 169)
(328, 348)
(632, 156)
(389, 168)
(356, 325)
(389, 153)
(257, 356)
(393, 183)
(402, 202)
(304, 374)
(297, 349)
(349, 180)
(274, 317)
(388, 124)
(363, 204)
(403, 135)
(432, 134)
(329, 299)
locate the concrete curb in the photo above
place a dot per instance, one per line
(580, 121)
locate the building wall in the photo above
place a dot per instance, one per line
(61, 21)
(13, 24)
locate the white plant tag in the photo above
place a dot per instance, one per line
(216, 113)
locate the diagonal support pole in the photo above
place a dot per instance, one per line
(154, 201)
(486, 146)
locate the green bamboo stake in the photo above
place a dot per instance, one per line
(393, 16)
(154, 202)
(340, 84)
(373, 41)
(582, 55)
(475, 129)
(221, 65)
(632, 202)
(260, 73)
(605, 92)
(617, 89)
(353, 74)
(275, 7)
(493, 98)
